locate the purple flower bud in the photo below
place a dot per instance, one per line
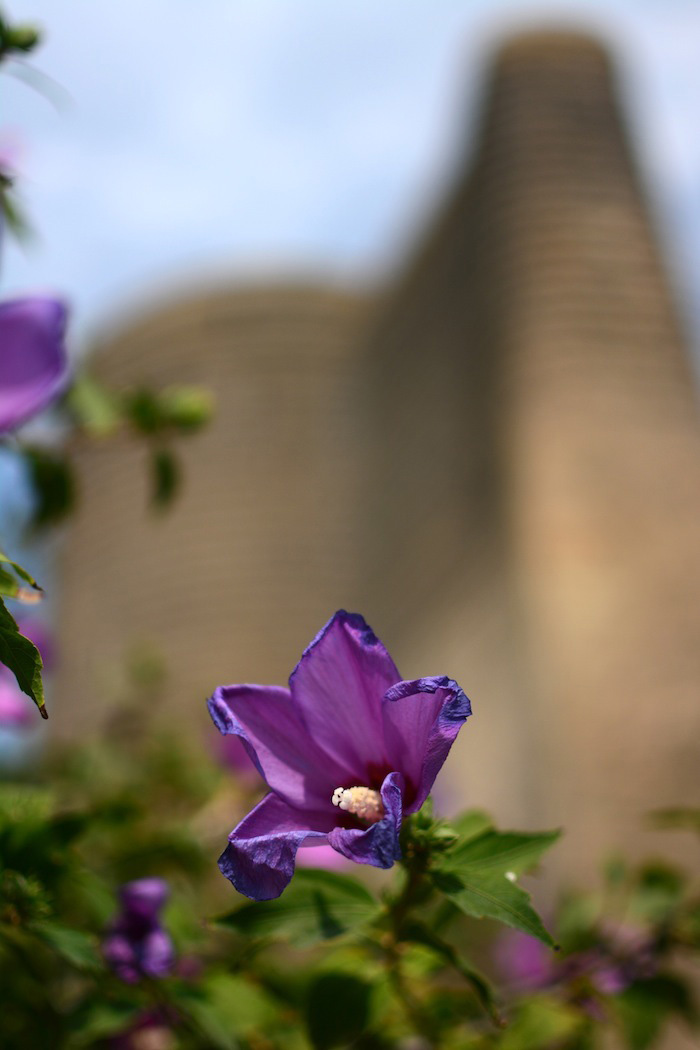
(33, 364)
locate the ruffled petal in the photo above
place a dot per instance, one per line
(377, 845)
(421, 721)
(259, 859)
(33, 364)
(338, 685)
(277, 740)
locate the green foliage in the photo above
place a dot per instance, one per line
(23, 659)
(53, 482)
(21, 38)
(337, 1009)
(317, 906)
(331, 963)
(478, 874)
(542, 1022)
(644, 1008)
(13, 579)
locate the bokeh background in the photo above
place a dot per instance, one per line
(440, 266)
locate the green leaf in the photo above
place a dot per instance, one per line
(317, 906)
(187, 408)
(491, 895)
(76, 947)
(53, 483)
(95, 407)
(11, 585)
(501, 851)
(337, 1009)
(420, 934)
(23, 659)
(478, 873)
(165, 477)
(471, 823)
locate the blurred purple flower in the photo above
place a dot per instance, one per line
(346, 751)
(136, 944)
(622, 956)
(33, 363)
(523, 961)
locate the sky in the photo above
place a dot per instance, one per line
(173, 143)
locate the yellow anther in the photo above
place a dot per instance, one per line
(364, 802)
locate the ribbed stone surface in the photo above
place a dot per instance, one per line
(501, 469)
(234, 580)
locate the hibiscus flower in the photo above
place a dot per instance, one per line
(347, 751)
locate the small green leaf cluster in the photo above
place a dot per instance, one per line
(17, 39)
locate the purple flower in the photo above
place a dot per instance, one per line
(525, 962)
(346, 751)
(33, 364)
(136, 945)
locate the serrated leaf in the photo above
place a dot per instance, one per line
(317, 905)
(488, 894)
(23, 659)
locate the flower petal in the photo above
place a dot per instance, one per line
(338, 685)
(33, 365)
(379, 844)
(277, 740)
(421, 720)
(259, 859)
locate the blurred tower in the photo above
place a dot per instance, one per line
(501, 469)
(538, 485)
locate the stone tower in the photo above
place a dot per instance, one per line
(538, 486)
(499, 464)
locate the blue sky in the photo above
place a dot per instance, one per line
(194, 141)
